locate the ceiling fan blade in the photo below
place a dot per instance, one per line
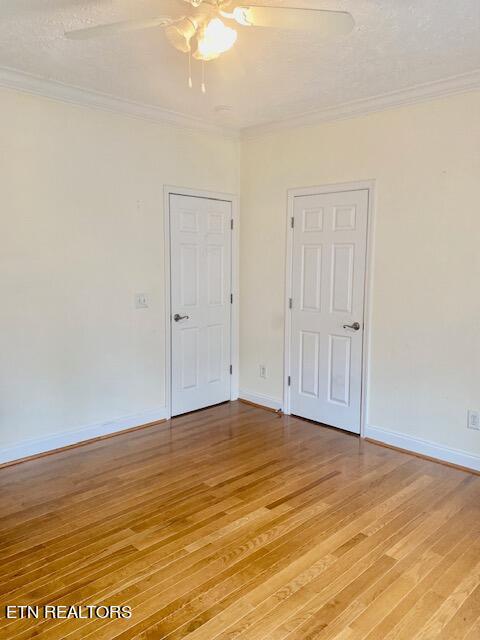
(118, 27)
(327, 22)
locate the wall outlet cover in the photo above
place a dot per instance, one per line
(473, 420)
(141, 301)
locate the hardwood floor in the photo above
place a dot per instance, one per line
(234, 522)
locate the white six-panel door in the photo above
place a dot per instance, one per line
(200, 257)
(329, 253)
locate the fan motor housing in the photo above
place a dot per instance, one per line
(181, 33)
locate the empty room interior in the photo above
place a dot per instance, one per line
(240, 320)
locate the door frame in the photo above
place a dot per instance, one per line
(368, 185)
(235, 311)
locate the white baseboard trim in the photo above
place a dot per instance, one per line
(424, 447)
(58, 440)
(260, 398)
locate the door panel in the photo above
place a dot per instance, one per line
(329, 252)
(309, 363)
(339, 364)
(215, 352)
(189, 365)
(215, 272)
(342, 278)
(311, 277)
(189, 270)
(200, 238)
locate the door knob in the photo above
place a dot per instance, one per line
(178, 317)
(355, 326)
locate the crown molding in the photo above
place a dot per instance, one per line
(36, 85)
(419, 93)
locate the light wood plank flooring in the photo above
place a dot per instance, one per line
(234, 522)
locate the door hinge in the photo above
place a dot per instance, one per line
(289, 381)
(231, 298)
(231, 369)
(231, 223)
(290, 303)
(292, 222)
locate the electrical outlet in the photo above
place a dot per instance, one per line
(141, 301)
(263, 371)
(473, 420)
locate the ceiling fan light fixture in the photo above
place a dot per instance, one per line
(215, 39)
(240, 15)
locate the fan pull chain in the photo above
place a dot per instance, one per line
(204, 88)
(190, 83)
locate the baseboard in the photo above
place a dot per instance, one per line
(39, 446)
(424, 448)
(260, 399)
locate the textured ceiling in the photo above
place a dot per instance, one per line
(269, 75)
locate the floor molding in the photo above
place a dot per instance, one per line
(260, 400)
(425, 448)
(260, 406)
(29, 449)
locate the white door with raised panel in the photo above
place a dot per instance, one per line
(328, 283)
(200, 268)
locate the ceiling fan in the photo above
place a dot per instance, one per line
(203, 32)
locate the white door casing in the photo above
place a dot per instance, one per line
(328, 286)
(200, 291)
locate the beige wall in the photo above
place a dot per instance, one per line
(425, 352)
(81, 233)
